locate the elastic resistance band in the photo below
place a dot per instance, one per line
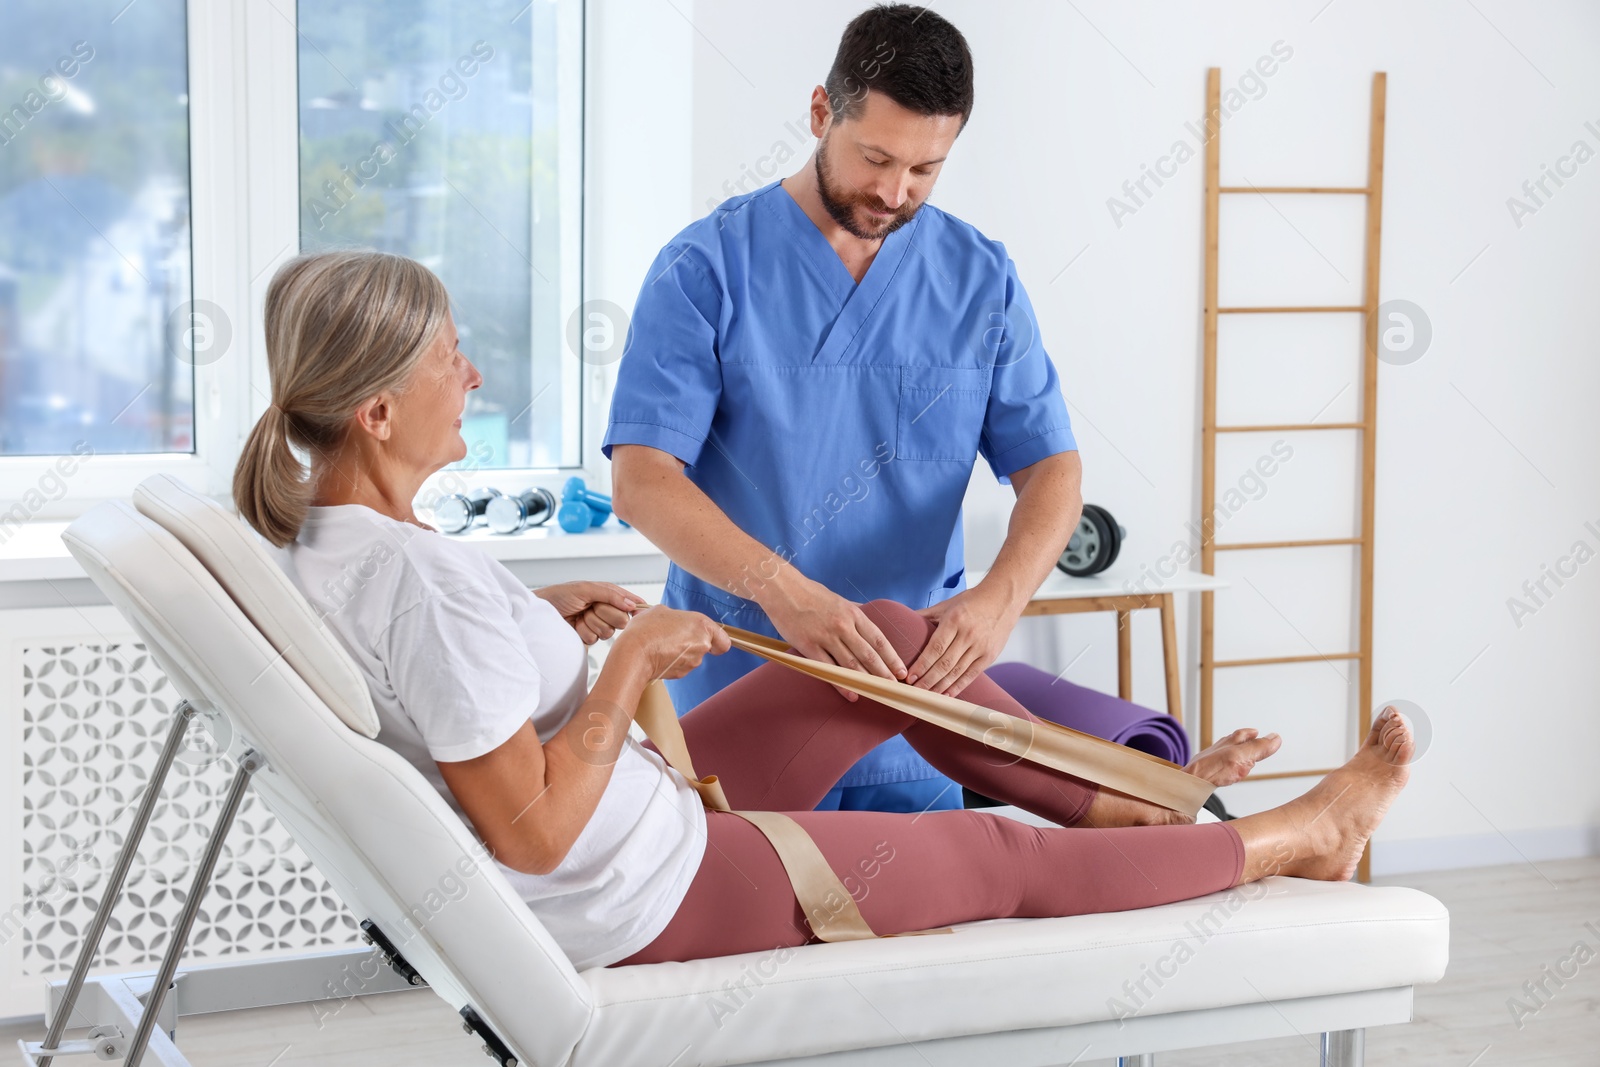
(1081, 755)
(829, 908)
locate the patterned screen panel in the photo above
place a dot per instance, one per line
(94, 720)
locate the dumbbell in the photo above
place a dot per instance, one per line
(513, 514)
(581, 508)
(460, 512)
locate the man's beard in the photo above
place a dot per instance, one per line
(841, 203)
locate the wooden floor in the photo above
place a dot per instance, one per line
(1506, 925)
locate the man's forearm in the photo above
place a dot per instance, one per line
(680, 519)
(1049, 501)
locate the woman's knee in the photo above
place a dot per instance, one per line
(907, 631)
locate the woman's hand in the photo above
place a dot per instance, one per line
(671, 643)
(597, 610)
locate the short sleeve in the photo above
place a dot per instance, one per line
(462, 671)
(1026, 419)
(669, 382)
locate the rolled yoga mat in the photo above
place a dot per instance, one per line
(1093, 712)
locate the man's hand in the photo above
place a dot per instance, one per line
(974, 624)
(596, 610)
(973, 627)
(825, 626)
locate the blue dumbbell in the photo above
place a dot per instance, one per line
(581, 508)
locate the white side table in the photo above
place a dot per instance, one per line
(1062, 594)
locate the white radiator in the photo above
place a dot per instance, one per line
(85, 710)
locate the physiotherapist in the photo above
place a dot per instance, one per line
(809, 376)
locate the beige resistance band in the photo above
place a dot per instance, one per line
(1126, 770)
(829, 908)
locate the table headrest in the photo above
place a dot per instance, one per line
(236, 556)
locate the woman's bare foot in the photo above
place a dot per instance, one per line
(1323, 833)
(1227, 761)
(1232, 758)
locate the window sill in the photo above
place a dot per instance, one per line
(35, 552)
(552, 542)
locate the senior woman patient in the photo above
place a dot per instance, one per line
(482, 685)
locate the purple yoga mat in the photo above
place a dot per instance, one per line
(1093, 712)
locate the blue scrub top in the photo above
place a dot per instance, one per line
(835, 423)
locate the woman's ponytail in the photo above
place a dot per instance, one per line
(270, 485)
(341, 327)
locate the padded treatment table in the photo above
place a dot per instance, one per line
(1276, 958)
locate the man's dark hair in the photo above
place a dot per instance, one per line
(909, 54)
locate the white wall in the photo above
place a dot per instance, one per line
(1487, 443)
(638, 97)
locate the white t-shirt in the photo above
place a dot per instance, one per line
(458, 654)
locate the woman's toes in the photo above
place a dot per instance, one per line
(1256, 749)
(1391, 735)
(1397, 741)
(1234, 757)
(1379, 723)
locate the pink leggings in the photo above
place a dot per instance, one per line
(779, 741)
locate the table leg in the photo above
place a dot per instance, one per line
(1125, 654)
(1169, 650)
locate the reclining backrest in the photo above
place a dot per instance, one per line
(376, 829)
(237, 559)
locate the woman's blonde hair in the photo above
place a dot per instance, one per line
(341, 327)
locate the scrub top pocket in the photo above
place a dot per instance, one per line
(941, 413)
(954, 584)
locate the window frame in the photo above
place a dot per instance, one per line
(215, 198)
(244, 210)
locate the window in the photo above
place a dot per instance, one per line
(95, 259)
(434, 129)
(158, 161)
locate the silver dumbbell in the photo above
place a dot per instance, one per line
(513, 514)
(460, 512)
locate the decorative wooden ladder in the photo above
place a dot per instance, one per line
(1367, 427)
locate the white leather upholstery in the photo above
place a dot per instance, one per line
(375, 828)
(1286, 938)
(388, 842)
(236, 555)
